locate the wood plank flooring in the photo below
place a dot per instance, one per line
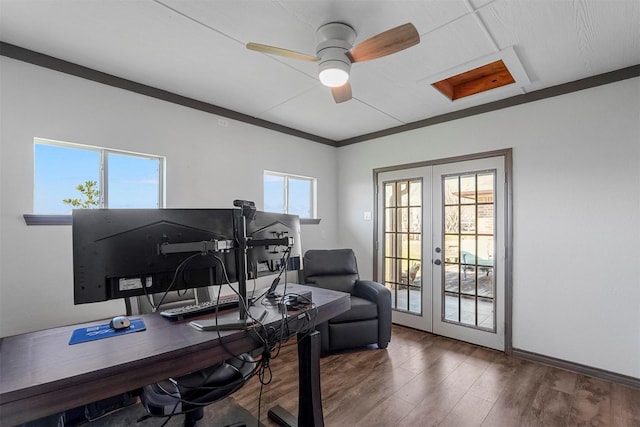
(426, 380)
(421, 380)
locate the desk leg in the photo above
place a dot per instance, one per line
(309, 393)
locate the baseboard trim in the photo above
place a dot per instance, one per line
(577, 367)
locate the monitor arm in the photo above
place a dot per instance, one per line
(209, 246)
(283, 241)
(203, 247)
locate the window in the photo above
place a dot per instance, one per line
(290, 194)
(109, 178)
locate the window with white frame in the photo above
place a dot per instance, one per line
(290, 194)
(69, 176)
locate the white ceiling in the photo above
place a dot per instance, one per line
(195, 48)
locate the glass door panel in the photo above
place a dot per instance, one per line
(469, 253)
(467, 303)
(402, 243)
(403, 236)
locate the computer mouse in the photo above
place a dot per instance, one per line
(119, 322)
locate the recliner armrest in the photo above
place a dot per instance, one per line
(370, 290)
(381, 295)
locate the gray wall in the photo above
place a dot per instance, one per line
(576, 198)
(576, 161)
(207, 165)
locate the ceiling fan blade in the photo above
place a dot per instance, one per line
(386, 43)
(272, 50)
(341, 93)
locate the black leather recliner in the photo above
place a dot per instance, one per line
(369, 319)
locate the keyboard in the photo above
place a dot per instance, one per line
(226, 301)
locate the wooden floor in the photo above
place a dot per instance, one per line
(426, 380)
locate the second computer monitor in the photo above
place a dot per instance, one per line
(264, 260)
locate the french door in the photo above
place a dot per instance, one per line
(441, 248)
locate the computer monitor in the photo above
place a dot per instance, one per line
(118, 251)
(268, 259)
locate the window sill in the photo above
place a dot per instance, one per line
(35, 219)
(306, 221)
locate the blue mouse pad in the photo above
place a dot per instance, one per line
(99, 332)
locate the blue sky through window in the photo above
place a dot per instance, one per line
(299, 191)
(133, 181)
(274, 193)
(58, 171)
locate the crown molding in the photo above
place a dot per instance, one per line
(52, 63)
(550, 92)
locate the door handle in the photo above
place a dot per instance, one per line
(437, 262)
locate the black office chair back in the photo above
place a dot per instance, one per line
(334, 269)
(190, 393)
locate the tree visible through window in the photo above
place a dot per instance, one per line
(291, 194)
(69, 176)
(89, 196)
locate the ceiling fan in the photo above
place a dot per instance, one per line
(335, 52)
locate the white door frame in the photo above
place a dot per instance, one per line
(506, 154)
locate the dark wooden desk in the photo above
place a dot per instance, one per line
(41, 374)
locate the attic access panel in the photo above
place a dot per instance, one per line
(477, 80)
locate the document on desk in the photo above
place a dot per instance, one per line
(92, 333)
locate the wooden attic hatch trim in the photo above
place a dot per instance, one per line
(481, 79)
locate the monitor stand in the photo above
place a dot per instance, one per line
(230, 320)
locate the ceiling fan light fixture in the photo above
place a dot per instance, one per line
(334, 67)
(334, 74)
